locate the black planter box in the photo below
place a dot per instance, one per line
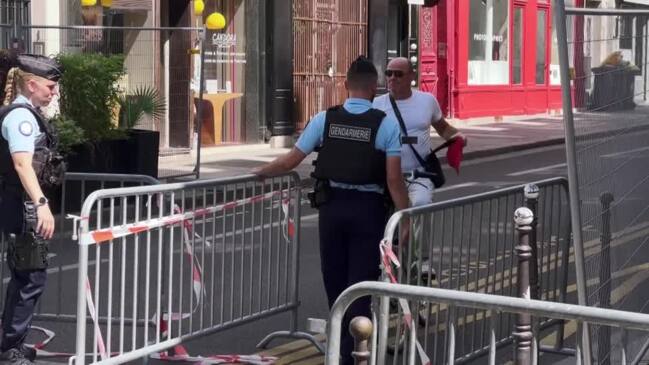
(143, 152)
(137, 154)
(107, 156)
(613, 88)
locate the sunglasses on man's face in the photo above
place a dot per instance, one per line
(395, 73)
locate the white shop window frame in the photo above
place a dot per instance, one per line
(489, 71)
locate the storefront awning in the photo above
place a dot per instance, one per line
(637, 2)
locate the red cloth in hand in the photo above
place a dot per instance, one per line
(454, 154)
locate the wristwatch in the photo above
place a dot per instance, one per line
(42, 201)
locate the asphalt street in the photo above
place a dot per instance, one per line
(255, 276)
(476, 176)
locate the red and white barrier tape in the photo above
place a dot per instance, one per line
(40, 346)
(103, 235)
(388, 258)
(197, 279)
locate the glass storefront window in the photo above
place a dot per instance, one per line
(540, 46)
(225, 70)
(555, 78)
(517, 47)
(488, 42)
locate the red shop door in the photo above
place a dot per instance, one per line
(433, 77)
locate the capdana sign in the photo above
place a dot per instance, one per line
(224, 40)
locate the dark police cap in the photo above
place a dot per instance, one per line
(40, 66)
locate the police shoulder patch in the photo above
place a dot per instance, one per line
(26, 128)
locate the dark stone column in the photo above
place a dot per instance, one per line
(377, 37)
(281, 94)
(179, 42)
(256, 116)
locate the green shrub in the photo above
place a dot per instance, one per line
(69, 132)
(89, 92)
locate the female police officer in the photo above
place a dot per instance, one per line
(359, 157)
(25, 143)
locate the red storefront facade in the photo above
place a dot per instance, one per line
(486, 58)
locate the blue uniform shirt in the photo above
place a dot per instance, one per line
(388, 138)
(20, 128)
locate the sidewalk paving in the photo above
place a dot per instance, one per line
(485, 139)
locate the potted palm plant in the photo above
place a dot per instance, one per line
(143, 144)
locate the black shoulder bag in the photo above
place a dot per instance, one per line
(431, 164)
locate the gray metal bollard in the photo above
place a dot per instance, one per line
(523, 217)
(361, 330)
(531, 192)
(604, 333)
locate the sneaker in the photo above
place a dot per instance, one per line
(29, 352)
(15, 356)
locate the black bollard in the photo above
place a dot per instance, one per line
(604, 334)
(531, 192)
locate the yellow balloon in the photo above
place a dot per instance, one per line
(88, 2)
(199, 6)
(106, 3)
(215, 21)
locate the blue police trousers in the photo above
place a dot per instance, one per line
(351, 227)
(25, 287)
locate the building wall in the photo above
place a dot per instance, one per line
(51, 13)
(592, 39)
(504, 56)
(139, 48)
(328, 36)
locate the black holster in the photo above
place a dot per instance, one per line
(321, 193)
(28, 250)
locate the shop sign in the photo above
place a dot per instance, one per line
(222, 54)
(488, 38)
(224, 40)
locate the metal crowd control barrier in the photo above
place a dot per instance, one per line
(63, 263)
(623, 324)
(164, 264)
(78, 185)
(469, 244)
(604, 77)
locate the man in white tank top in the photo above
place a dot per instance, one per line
(419, 110)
